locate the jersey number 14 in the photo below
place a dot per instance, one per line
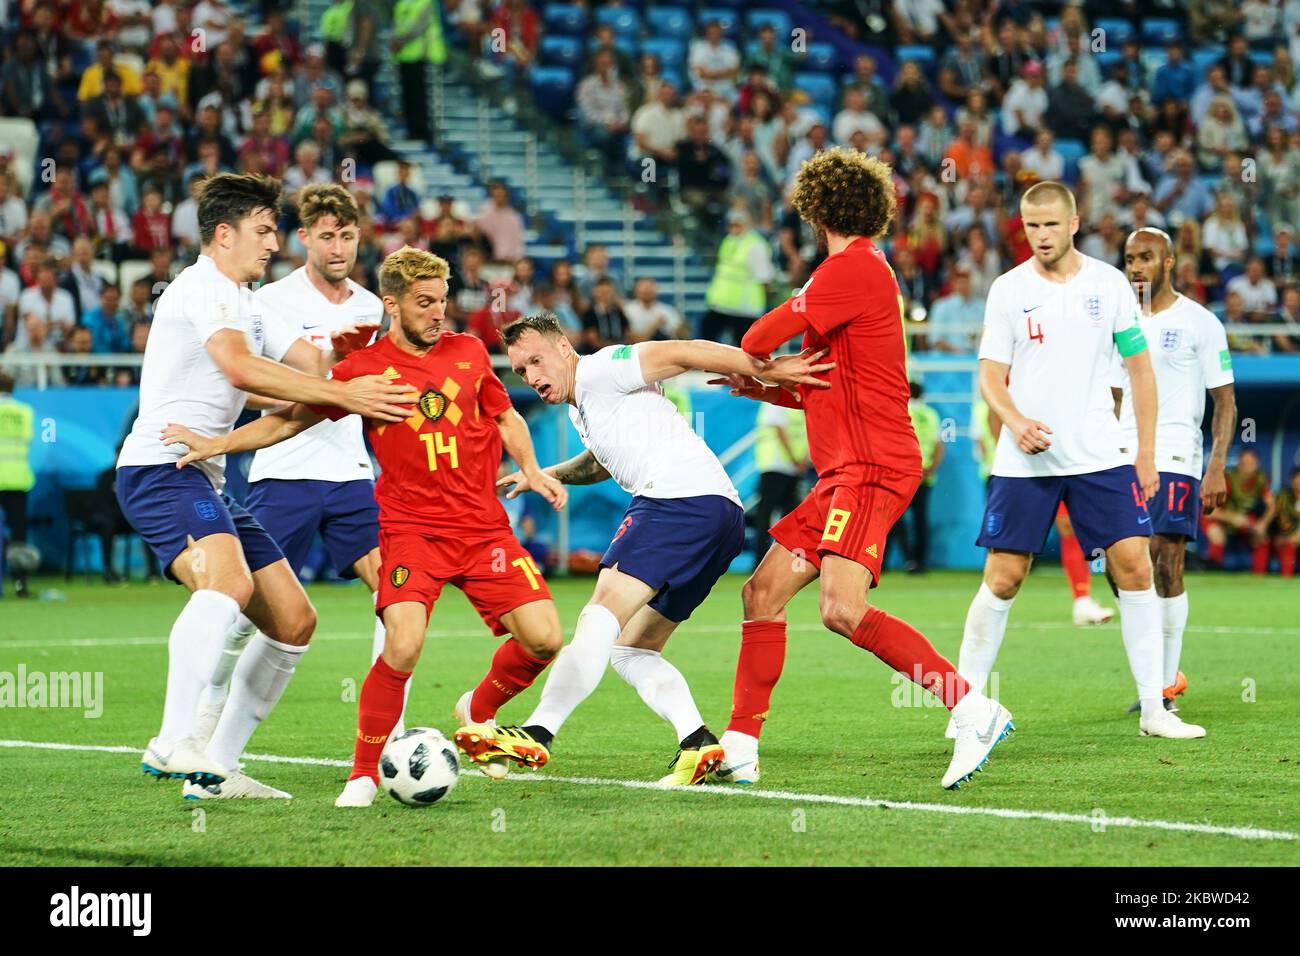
(439, 444)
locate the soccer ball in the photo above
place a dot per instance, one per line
(419, 767)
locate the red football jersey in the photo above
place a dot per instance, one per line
(854, 308)
(439, 467)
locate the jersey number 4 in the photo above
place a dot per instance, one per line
(1035, 334)
(439, 444)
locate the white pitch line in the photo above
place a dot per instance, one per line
(28, 644)
(1241, 833)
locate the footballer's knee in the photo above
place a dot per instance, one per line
(542, 642)
(402, 650)
(761, 601)
(842, 616)
(236, 585)
(1130, 564)
(1167, 566)
(1003, 582)
(296, 626)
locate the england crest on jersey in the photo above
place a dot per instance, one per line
(1092, 305)
(1170, 339)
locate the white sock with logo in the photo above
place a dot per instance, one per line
(1173, 612)
(194, 652)
(981, 639)
(260, 678)
(1139, 623)
(661, 686)
(214, 694)
(577, 669)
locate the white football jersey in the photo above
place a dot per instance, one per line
(638, 435)
(328, 451)
(1189, 352)
(1060, 340)
(179, 382)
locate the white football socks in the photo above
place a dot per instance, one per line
(578, 668)
(1139, 623)
(194, 651)
(661, 686)
(260, 678)
(214, 694)
(1173, 612)
(986, 626)
(377, 648)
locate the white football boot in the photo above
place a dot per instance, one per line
(237, 786)
(740, 765)
(1087, 611)
(1165, 723)
(982, 724)
(182, 761)
(357, 793)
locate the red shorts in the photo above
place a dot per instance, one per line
(497, 575)
(848, 513)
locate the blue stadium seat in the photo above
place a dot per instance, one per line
(553, 88)
(1071, 150)
(624, 21)
(819, 87)
(625, 44)
(1160, 30)
(1153, 58)
(667, 22)
(559, 50)
(729, 19)
(822, 57)
(922, 56)
(566, 18)
(1115, 30)
(1108, 58)
(1261, 57)
(755, 20)
(671, 52)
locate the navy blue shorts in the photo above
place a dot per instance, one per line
(344, 512)
(167, 506)
(1176, 508)
(678, 546)
(1105, 507)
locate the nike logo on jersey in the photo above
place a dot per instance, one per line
(307, 328)
(1032, 307)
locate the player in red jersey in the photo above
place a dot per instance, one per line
(868, 463)
(440, 520)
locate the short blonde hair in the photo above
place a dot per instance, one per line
(1046, 192)
(407, 266)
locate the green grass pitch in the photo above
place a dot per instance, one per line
(840, 728)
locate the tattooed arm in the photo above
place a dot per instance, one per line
(582, 469)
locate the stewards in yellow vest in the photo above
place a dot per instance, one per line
(336, 30)
(16, 478)
(737, 295)
(417, 41)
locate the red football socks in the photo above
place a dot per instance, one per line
(1259, 558)
(1076, 566)
(909, 652)
(762, 655)
(1286, 556)
(380, 706)
(512, 671)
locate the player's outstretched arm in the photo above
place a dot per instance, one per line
(582, 469)
(1142, 379)
(746, 386)
(1031, 436)
(663, 360)
(372, 396)
(518, 444)
(1214, 488)
(265, 431)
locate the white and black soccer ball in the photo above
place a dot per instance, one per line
(419, 767)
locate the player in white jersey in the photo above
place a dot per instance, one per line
(320, 481)
(1053, 324)
(681, 532)
(209, 346)
(1189, 352)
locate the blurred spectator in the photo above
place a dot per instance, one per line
(960, 307)
(911, 97)
(1234, 313)
(1176, 78)
(1107, 242)
(467, 290)
(123, 184)
(521, 28)
(781, 459)
(1283, 522)
(980, 259)
(920, 21)
(737, 294)
(658, 125)
(407, 233)
(48, 302)
(1025, 103)
(496, 313)
(814, 141)
(40, 233)
(865, 80)
(273, 150)
(1103, 178)
(364, 130)
(139, 308)
(1289, 315)
(306, 169)
(568, 293)
(501, 224)
(1283, 264)
(13, 212)
(10, 290)
(772, 55)
(400, 200)
(603, 323)
(646, 82)
(64, 205)
(522, 287)
(274, 45)
(855, 116)
(1224, 237)
(969, 159)
(1181, 193)
(714, 63)
(322, 104)
(1070, 108)
(1236, 63)
(933, 136)
(151, 228)
(79, 343)
(1258, 294)
(602, 105)
(1008, 57)
(1042, 159)
(1250, 496)
(33, 338)
(1214, 86)
(447, 232)
(547, 301)
(109, 325)
(417, 44)
(1086, 72)
(172, 70)
(754, 192)
(1218, 133)
(595, 266)
(606, 42)
(962, 69)
(648, 318)
(160, 272)
(94, 79)
(81, 281)
(1278, 168)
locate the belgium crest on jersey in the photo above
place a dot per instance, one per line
(433, 404)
